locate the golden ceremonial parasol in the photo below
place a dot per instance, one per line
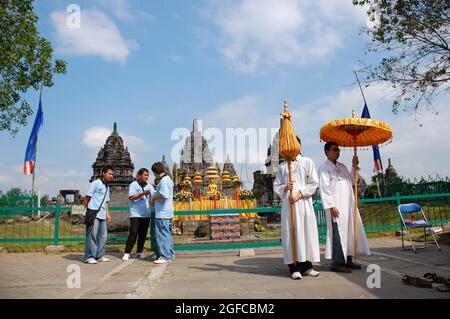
(356, 132)
(289, 149)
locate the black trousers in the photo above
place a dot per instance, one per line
(337, 254)
(300, 267)
(138, 230)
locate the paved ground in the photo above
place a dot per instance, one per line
(218, 276)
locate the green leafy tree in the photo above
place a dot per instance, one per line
(16, 197)
(45, 201)
(26, 60)
(413, 38)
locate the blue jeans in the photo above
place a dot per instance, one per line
(96, 235)
(163, 235)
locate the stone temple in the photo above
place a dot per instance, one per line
(114, 153)
(196, 157)
(263, 182)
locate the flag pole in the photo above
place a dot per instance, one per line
(365, 102)
(33, 186)
(39, 203)
(378, 186)
(360, 88)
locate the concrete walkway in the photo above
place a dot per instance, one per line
(210, 275)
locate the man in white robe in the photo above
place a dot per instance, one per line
(304, 185)
(336, 191)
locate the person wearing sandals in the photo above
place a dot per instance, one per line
(96, 200)
(163, 201)
(336, 192)
(139, 193)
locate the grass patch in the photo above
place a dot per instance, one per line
(374, 214)
(43, 229)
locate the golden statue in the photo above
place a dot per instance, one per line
(212, 191)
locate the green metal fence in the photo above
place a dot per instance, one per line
(57, 225)
(423, 186)
(381, 214)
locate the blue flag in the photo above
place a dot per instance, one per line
(376, 151)
(30, 155)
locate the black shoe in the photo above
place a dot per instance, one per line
(340, 268)
(353, 266)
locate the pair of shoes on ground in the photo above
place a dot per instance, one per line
(296, 275)
(162, 260)
(443, 283)
(340, 268)
(436, 279)
(416, 281)
(346, 268)
(138, 255)
(352, 265)
(427, 281)
(93, 261)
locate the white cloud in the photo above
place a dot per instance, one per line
(242, 118)
(237, 113)
(415, 151)
(49, 179)
(255, 34)
(70, 173)
(147, 118)
(5, 179)
(120, 8)
(17, 168)
(98, 35)
(123, 11)
(96, 136)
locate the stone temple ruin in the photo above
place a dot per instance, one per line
(263, 182)
(196, 159)
(114, 153)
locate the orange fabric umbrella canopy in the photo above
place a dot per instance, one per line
(289, 149)
(354, 132)
(350, 132)
(288, 145)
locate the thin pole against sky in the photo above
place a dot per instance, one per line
(365, 103)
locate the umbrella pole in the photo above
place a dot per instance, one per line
(355, 209)
(294, 243)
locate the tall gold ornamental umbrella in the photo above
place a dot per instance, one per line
(289, 149)
(356, 132)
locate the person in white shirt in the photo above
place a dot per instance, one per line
(336, 192)
(139, 195)
(304, 184)
(96, 199)
(163, 201)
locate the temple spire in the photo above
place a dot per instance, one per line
(115, 132)
(195, 127)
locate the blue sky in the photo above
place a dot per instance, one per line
(154, 66)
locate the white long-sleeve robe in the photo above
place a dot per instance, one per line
(305, 180)
(336, 190)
